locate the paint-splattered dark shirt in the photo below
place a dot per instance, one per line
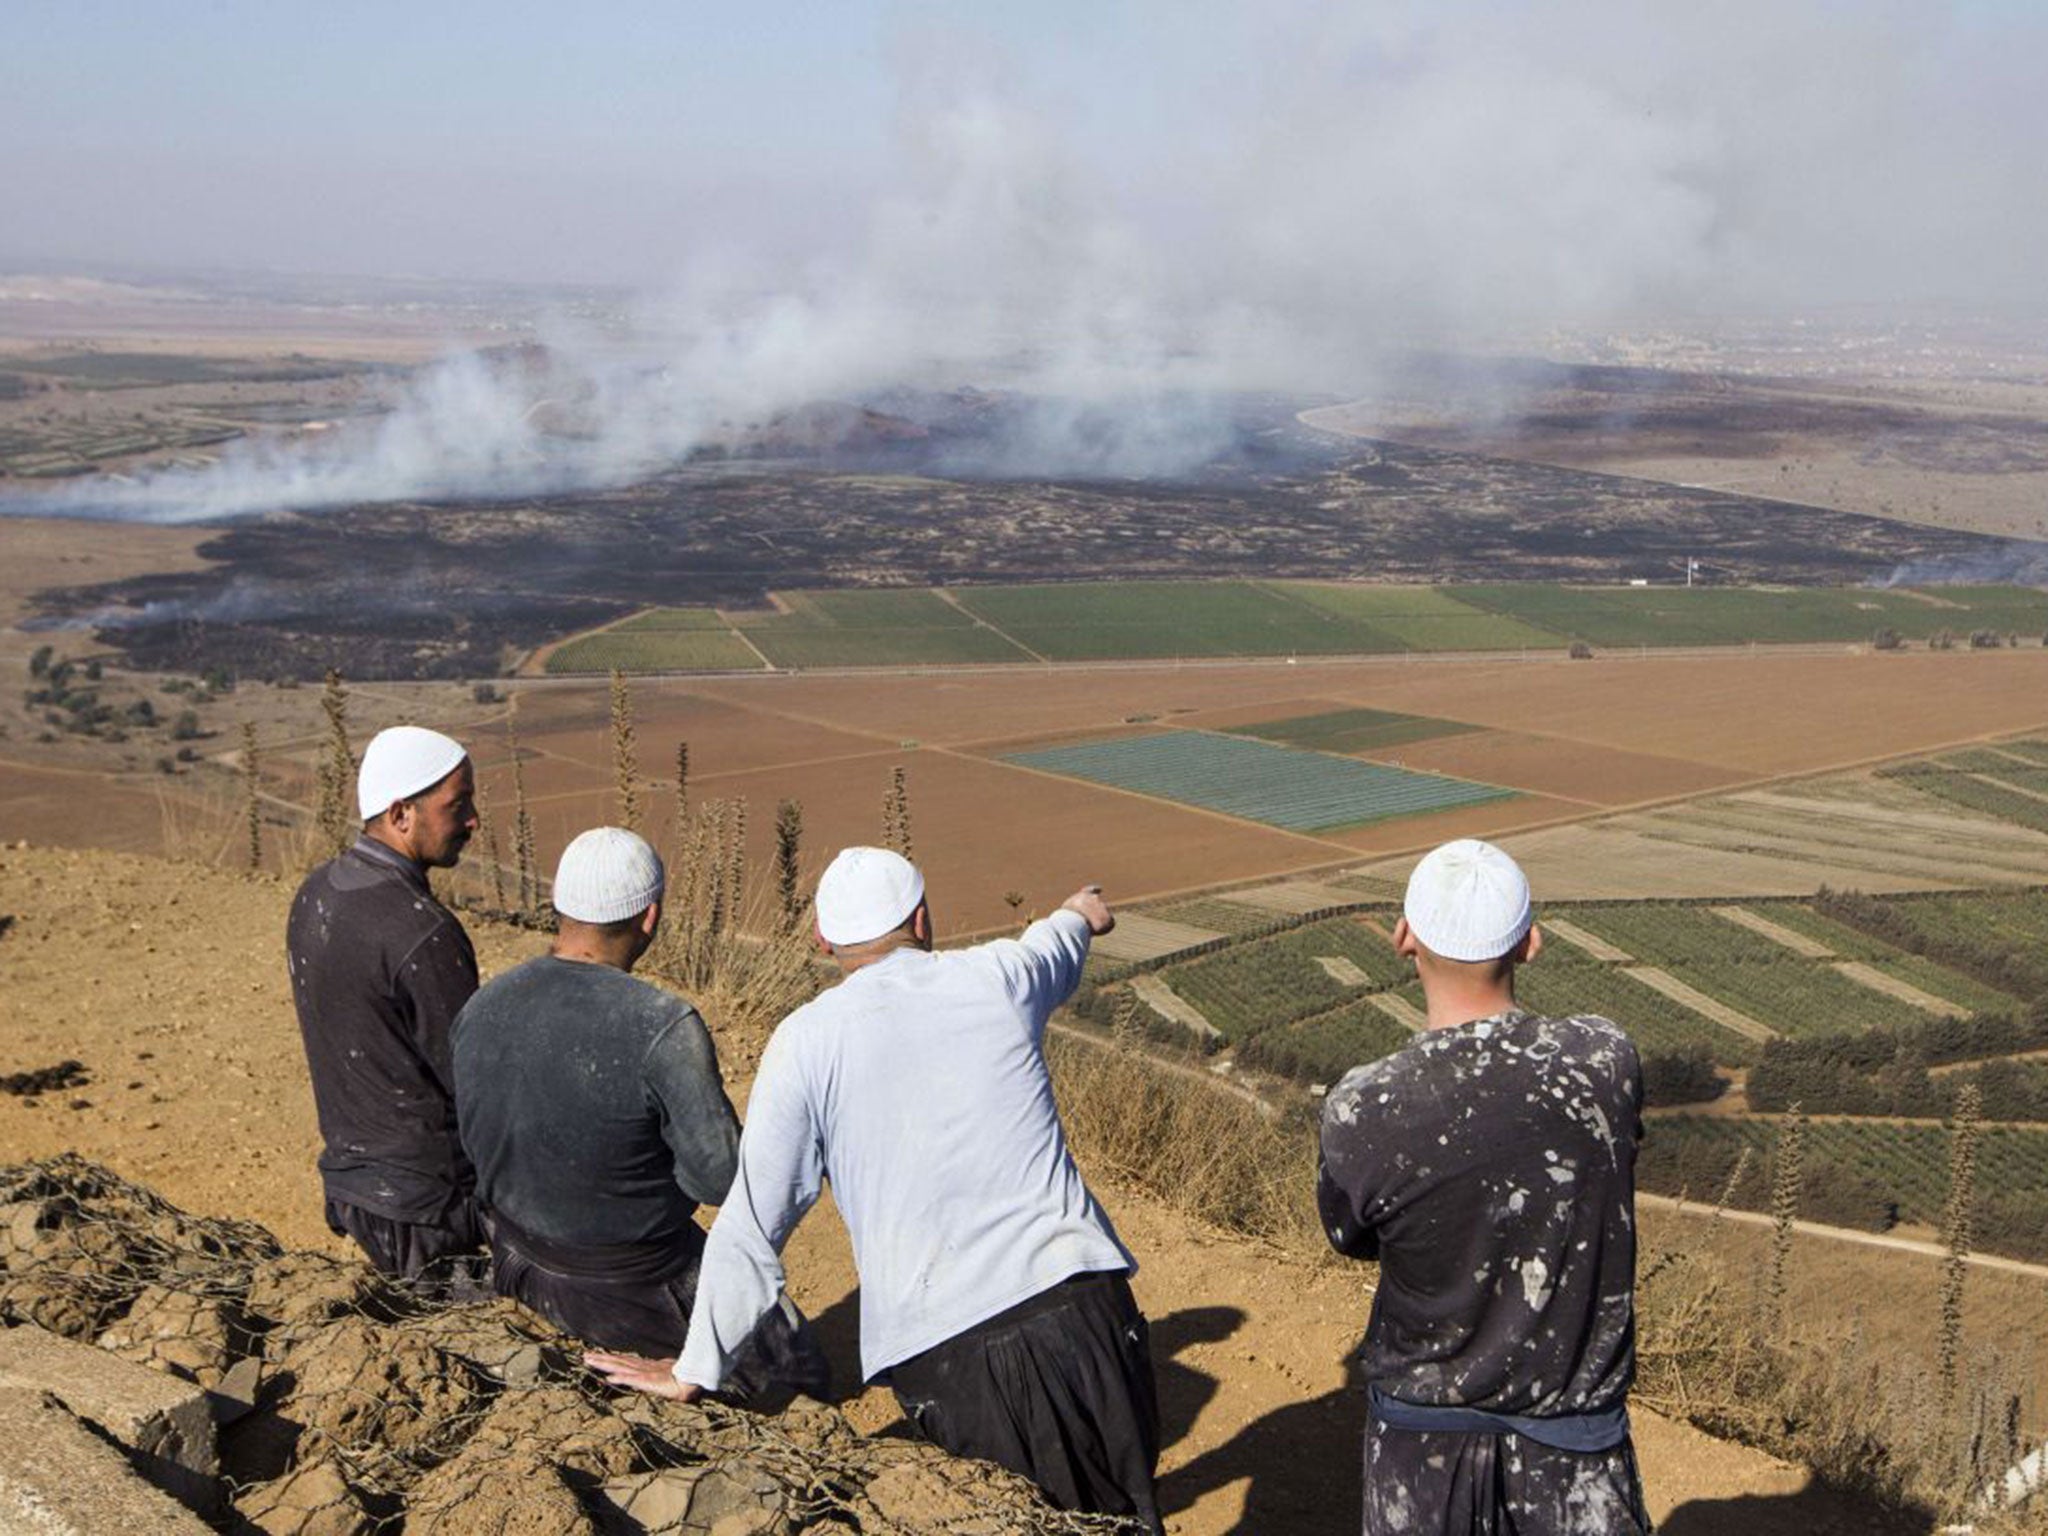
(379, 970)
(1490, 1168)
(592, 1106)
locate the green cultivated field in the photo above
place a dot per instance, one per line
(1323, 1048)
(1656, 1023)
(1422, 618)
(1160, 620)
(669, 620)
(1109, 620)
(1257, 780)
(1867, 1173)
(1622, 616)
(656, 648)
(1353, 730)
(1250, 987)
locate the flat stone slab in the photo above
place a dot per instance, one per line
(165, 1423)
(57, 1478)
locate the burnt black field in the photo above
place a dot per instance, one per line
(450, 589)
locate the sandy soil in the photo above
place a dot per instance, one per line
(167, 981)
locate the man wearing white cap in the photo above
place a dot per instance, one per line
(593, 1108)
(993, 1290)
(1490, 1167)
(379, 970)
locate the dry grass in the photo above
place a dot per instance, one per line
(1866, 1417)
(1209, 1154)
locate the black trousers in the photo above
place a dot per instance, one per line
(447, 1253)
(1058, 1388)
(638, 1300)
(1421, 1483)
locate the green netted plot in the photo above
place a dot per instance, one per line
(1282, 787)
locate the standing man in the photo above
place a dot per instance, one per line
(592, 1106)
(993, 1291)
(379, 970)
(1490, 1167)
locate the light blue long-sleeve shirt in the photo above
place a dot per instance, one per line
(918, 1086)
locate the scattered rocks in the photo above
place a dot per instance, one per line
(731, 1500)
(357, 1383)
(65, 1074)
(315, 1500)
(196, 1337)
(295, 1289)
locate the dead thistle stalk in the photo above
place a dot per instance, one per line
(625, 767)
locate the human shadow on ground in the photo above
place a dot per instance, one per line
(1183, 1390)
(1301, 1464)
(1814, 1511)
(838, 1332)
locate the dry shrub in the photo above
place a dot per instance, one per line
(1203, 1150)
(1864, 1417)
(725, 946)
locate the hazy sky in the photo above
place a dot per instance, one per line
(1535, 162)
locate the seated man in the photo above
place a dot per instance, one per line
(993, 1289)
(1489, 1166)
(379, 969)
(592, 1107)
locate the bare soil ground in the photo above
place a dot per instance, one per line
(167, 982)
(1639, 736)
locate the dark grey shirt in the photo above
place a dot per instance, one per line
(379, 969)
(1490, 1168)
(592, 1106)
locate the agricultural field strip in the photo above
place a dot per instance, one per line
(1591, 943)
(1141, 936)
(1891, 986)
(1798, 943)
(1286, 787)
(1342, 971)
(1153, 990)
(1729, 1018)
(1721, 616)
(1400, 1010)
(946, 595)
(1350, 854)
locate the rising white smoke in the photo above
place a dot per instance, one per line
(1319, 190)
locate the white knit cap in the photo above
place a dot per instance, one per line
(606, 875)
(864, 893)
(1468, 901)
(401, 762)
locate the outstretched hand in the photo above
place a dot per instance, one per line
(642, 1374)
(1089, 903)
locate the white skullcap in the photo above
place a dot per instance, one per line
(401, 762)
(607, 874)
(864, 893)
(1468, 901)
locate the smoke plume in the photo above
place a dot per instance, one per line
(1289, 197)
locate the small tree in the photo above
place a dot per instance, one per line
(1887, 639)
(185, 727)
(39, 661)
(1580, 651)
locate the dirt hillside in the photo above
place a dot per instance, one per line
(166, 981)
